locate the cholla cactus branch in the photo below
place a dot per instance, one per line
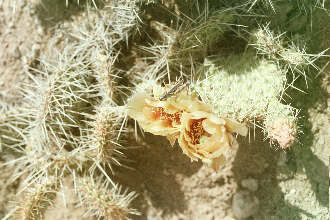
(59, 100)
(13, 127)
(105, 202)
(102, 137)
(36, 200)
(106, 76)
(203, 36)
(291, 56)
(183, 48)
(45, 157)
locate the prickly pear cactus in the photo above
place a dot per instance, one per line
(247, 89)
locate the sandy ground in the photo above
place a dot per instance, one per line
(292, 184)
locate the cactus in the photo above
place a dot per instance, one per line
(45, 157)
(73, 119)
(103, 201)
(203, 37)
(13, 124)
(36, 200)
(181, 49)
(292, 57)
(102, 139)
(245, 88)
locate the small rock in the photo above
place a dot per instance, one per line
(35, 51)
(37, 21)
(11, 25)
(25, 60)
(40, 30)
(17, 53)
(244, 204)
(250, 184)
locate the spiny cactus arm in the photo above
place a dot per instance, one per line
(36, 199)
(101, 200)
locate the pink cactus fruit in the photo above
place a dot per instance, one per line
(283, 131)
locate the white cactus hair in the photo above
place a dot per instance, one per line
(292, 56)
(13, 127)
(103, 139)
(46, 158)
(206, 29)
(183, 46)
(263, 79)
(59, 104)
(302, 5)
(62, 97)
(101, 39)
(115, 22)
(35, 200)
(267, 3)
(104, 201)
(70, 123)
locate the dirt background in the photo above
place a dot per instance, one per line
(292, 184)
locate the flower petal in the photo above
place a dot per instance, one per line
(234, 126)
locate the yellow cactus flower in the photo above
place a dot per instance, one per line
(156, 117)
(200, 133)
(207, 137)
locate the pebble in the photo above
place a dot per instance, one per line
(37, 21)
(244, 204)
(250, 184)
(40, 30)
(17, 53)
(35, 51)
(11, 25)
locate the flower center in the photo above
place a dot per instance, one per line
(160, 114)
(196, 130)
